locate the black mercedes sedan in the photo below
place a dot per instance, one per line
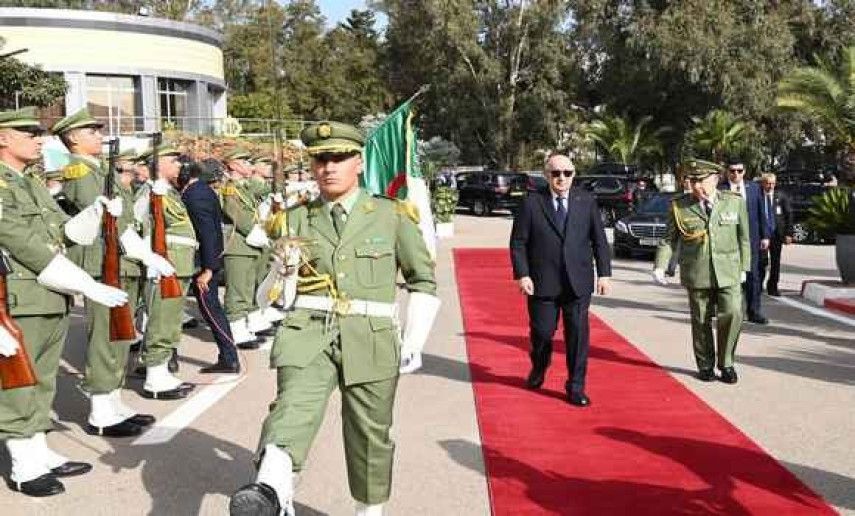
(641, 231)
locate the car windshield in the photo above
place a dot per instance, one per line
(656, 204)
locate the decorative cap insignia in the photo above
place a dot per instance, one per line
(324, 130)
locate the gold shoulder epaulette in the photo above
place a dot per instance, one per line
(3, 183)
(229, 189)
(730, 193)
(75, 171)
(407, 208)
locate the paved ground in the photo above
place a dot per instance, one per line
(795, 398)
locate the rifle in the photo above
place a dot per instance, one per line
(170, 287)
(17, 370)
(121, 318)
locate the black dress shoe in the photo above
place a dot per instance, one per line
(706, 375)
(142, 420)
(135, 347)
(71, 469)
(535, 377)
(173, 362)
(221, 367)
(269, 332)
(728, 375)
(123, 429)
(254, 500)
(579, 399)
(758, 319)
(774, 292)
(253, 344)
(190, 324)
(45, 485)
(174, 394)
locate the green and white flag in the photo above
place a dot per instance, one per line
(392, 168)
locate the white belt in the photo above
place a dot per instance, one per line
(182, 240)
(347, 306)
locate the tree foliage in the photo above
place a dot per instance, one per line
(26, 85)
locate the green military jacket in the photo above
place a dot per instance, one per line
(239, 209)
(714, 249)
(83, 181)
(181, 250)
(31, 235)
(379, 239)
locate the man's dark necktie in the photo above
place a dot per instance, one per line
(707, 207)
(560, 211)
(770, 212)
(337, 213)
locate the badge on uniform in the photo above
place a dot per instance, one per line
(728, 218)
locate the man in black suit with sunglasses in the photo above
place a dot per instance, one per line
(556, 240)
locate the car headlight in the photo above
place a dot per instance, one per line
(621, 226)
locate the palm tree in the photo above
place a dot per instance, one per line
(827, 94)
(717, 134)
(624, 141)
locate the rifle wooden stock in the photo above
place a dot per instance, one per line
(15, 371)
(121, 318)
(170, 287)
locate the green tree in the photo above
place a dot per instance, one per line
(826, 93)
(625, 141)
(717, 135)
(25, 85)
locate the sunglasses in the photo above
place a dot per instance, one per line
(736, 170)
(558, 173)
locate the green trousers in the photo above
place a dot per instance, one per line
(262, 267)
(241, 274)
(25, 411)
(163, 330)
(726, 304)
(105, 360)
(366, 413)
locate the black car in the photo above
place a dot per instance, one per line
(641, 232)
(802, 186)
(613, 169)
(617, 196)
(484, 192)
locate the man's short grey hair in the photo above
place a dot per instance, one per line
(768, 176)
(547, 167)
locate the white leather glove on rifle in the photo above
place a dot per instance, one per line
(421, 314)
(61, 275)
(8, 344)
(257, 237)
(659, 277)
(85, 227)
(138, 249)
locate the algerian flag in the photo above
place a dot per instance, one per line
(392, 168)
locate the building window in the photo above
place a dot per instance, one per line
(116, 101)
(172, 95)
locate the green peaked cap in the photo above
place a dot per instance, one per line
(24, 118)
(332, 137)
(81, 118)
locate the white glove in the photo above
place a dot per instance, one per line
(743, 276)
(264, 210)
(659, 276)
(61, 275)
(277, 197)
(8, 344)
(139, 249)
(421, 314)
(257, 237)
(160, 187)
(114, 206)
(85, 227)
(141, 206)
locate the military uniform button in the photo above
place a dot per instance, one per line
(341, 274)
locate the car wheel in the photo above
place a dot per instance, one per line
(801, 234)
(479, 208)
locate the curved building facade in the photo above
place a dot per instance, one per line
(134, 73)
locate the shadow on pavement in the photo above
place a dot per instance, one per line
(837, 489)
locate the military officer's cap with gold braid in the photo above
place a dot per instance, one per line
(332, 138)
(699, 168)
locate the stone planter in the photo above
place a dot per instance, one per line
(845, 253)
(444, 229)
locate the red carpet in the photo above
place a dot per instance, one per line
(646, 446)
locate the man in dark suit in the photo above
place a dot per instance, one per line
(203, 206)
(758, 231)
(778, 214)
(556, 238)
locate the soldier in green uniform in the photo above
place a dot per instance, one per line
(711, 229)
(262, 176)
(34, 232)
(244, 254)
(83, 185)
(163, 330)
(345, 333)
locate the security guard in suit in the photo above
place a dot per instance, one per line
(343, 332)
(83, 185)
(34, 233)
(245, 244)
(711, 228)
(163, 329)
